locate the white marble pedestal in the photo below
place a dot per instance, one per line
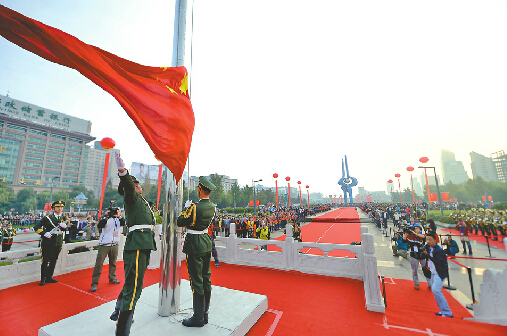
(231, 313)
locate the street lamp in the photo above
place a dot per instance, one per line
(300, 201)
(253, 183)
(411, 169)
(438, 188)
(391, 183)
(399, 185)
(288, 181)
(275, 176)
(107, 144)
(51, 192)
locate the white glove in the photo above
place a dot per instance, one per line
(119, 161)
(47, 235)
(187, 203)
(63, 225)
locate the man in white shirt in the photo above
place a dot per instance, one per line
(108, 246)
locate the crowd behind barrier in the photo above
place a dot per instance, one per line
(248, 225)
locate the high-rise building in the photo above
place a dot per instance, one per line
(483, 167)
(452, 170)
(42, 148)
(500, 161)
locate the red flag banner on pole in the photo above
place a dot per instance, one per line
(433, 197)
(155, 98)
(445, 196)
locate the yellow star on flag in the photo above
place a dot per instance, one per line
(170, 89)
(184, 84)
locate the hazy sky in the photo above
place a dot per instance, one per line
(292, 86)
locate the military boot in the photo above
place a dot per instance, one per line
(124, 323)
(207, 298)
(197, 320)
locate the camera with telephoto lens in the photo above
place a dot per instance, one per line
(408, 229)
(112, 211)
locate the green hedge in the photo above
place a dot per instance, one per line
(442, 219)
(500, 206)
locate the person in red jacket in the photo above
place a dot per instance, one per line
(465, 240)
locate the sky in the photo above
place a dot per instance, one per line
(290, 87)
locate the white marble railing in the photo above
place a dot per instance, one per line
(492, 305)
(363, 266)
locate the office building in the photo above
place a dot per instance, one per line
(500, 162)
(40, 147)
(483, 167)
(452, 170)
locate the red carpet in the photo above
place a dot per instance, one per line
(479, 238)
(299, 304)
(341, 215)
(332, 230)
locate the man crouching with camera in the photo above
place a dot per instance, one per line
(415, 239)
(108, 245)
(400, 249)
(439, 268)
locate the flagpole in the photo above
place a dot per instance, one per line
(170, 275)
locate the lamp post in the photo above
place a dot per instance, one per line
(51, 192)
(106, 143)
(308, 193)
(399, 185)
(424, 160)
(411, 169)
(438, 188)
(288, 181)
(300, 201)
(391, 183)
(275, 175)
(253, 183)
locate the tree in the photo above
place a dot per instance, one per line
(42, 199)
(26, 200)
(217, 195)
(64, 196)
(7, 196)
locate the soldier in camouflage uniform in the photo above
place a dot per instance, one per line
(197, 218)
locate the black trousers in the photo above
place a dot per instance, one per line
(50, 252)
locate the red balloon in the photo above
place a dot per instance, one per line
(390, 181)
(424, 159)
(107, 143)
(397, 175)
(275, 175)
(307, 186)
(287, 179)
(410, 169)
(299, 182)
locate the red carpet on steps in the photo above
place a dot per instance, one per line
(330, 231)
(478, 238)
(305, 304)
(341, 215)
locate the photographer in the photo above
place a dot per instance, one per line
(400, 249)
(415, 240)
(437, 264)
(452, 246)
(108, 245)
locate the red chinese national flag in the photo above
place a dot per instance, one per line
(155, 98)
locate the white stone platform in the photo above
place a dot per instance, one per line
(231, 313)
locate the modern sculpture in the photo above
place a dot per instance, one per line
(347, 182)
